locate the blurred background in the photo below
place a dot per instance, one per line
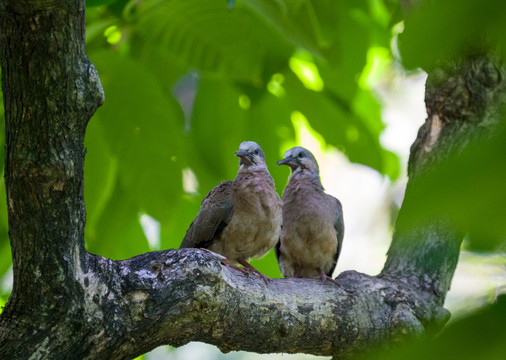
(187, 81)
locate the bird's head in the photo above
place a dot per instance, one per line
(300, 159)
(250, 155)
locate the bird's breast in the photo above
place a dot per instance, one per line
(308, 237)
(256, 224)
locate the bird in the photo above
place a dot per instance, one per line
(313, 226)
(240, 219)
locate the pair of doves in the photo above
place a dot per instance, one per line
(245, 218)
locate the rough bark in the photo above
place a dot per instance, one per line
(50, 92)
(67, 303)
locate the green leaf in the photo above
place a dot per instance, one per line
(218, 115)
(5, 255)
(206, 35)
(5, 248)
(92, 3)
(216, 130)
(268, 265)
(347, 56)
(269, 124)
(282, 16)
(340, 126)
(469, 187)
(442, 30)
(173, 229)
(477, 336)
(141, 125)
(100, 175)
(119, 234)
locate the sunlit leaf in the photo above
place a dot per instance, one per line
(340, 126)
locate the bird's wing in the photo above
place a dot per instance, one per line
(339, 228)
(215, 213)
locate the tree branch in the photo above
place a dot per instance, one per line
(174, 297)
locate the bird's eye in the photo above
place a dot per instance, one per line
(301, 155)
(256, 151)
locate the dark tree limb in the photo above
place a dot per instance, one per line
(67, 303)
(182, 295)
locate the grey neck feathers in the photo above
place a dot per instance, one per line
(252, 167)
(305, 175)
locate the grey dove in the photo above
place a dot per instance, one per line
(239, 219)
(313, 226)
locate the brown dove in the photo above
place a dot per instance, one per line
(313, 226)
(239, 219)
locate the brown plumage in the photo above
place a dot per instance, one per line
(239, 219)
(313, 227)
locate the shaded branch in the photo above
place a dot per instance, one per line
(173, 297)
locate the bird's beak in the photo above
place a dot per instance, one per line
(292, 162)
(287, 161)
(241, 153)
(244, 156)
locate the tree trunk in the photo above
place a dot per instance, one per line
(67, 303)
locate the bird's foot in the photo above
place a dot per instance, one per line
(219, 256)
(248, 266)
(325, 277)
(332, 281)
(247, 269)
(225, 261)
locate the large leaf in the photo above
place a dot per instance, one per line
(119, 234)
(340, 126)
(269, 122)
(217, 128)
(282, 16)
(219, 125)
(173, 229)
(141, 125)
(100, 176)
(206, 35)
